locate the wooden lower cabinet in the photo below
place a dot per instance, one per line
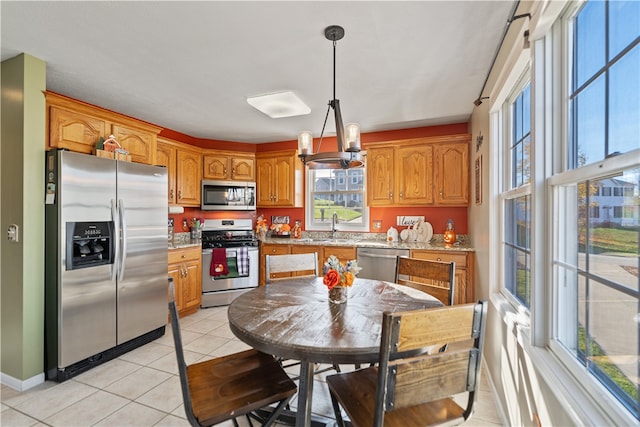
(464, 287)
(185, 267)
(343, 253)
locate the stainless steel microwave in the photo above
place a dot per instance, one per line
(228, 196)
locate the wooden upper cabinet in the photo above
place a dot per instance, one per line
(140, 144)
(184, 164)
(279, 179)
(229, 166)
(188, 177)
(166, 155)
(74, 131)
(430, 171)
(77, 126)
(414, 181)
(380, 176)
(451, 171)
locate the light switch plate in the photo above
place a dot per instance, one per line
(13, 233)
(409, 220)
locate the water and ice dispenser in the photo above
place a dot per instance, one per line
(89, 244)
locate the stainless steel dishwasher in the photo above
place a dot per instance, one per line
(379, 263)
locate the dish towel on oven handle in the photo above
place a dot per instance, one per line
(218, 265)
(243, 261)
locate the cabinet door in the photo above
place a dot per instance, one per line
(215, 167)
(176, 272)
(414, 175)
(265, 182)
(243, 169)
(189, 165)
(451, 170)
(74, 131)
(283, 181)
(380, 179)
(192, 289)
(166, 156)
(140, 144)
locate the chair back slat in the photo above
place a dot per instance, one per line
(428, 327)
(302, 264)
(434, 277)
(427, 379)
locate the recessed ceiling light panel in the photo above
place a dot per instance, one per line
(280, 104)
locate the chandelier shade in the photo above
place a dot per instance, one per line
(347, 138)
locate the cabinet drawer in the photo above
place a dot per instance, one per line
(182, 255)
(275, 249)
(343, 253)
(459, 258)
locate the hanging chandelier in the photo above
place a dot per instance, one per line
(347, 137)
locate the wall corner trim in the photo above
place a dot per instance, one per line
(21, 385)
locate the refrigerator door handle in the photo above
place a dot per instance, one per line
(123, 237)
(115, 239)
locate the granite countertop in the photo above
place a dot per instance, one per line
(371, 240)
(183, 240)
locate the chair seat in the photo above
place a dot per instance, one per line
(248, 380)
(357, 392)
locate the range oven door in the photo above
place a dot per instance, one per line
(221, 291)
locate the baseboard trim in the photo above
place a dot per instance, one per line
(21, 385)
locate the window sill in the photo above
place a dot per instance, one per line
(585, 401)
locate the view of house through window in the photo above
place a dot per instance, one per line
(596, 208)
(340, 191)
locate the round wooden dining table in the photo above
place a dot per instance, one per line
(294, 319)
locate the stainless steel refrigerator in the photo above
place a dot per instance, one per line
(105, 261)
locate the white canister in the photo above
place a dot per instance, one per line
(392, 235)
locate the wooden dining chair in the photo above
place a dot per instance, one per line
(300, 264)
(433, 277)
(410, 386)
(227, 387)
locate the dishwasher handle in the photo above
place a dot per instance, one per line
(372, 255)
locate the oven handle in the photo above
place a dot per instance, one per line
(231, 252)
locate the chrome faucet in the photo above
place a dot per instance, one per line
(334, 222)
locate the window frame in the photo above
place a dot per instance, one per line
(312, 225)
(558, 73)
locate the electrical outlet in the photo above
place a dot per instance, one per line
(13, 233)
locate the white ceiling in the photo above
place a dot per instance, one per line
(189, 66)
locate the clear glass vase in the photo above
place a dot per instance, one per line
(338, 294)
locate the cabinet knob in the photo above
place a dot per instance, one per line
(183, 256)
(233, 172)
(441, 193)
(401, 196)
(171, 193)
(180, 194)
(439, 259)
(390, 195)
(225, 171)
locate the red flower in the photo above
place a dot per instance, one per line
(331, 279)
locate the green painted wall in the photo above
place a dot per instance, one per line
(22, 202)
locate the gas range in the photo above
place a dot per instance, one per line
(228, 233)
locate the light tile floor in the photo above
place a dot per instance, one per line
(142, 387)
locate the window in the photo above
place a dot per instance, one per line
(516, 198)
(595, 280)
(336, 190)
